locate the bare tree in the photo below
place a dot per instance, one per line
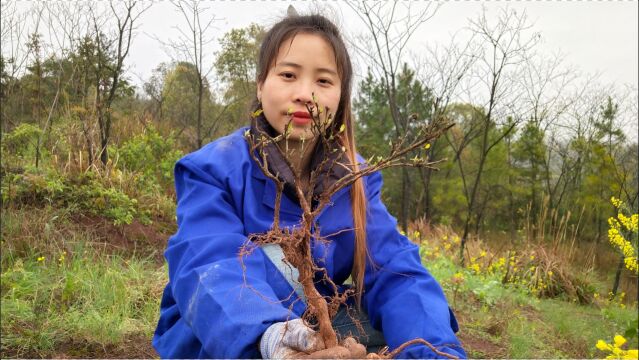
(390, 26)
(442, 72)
(545, 83)
(112, 50)
(15, 31)
(505, 46)
(63, 22)
(190, 46)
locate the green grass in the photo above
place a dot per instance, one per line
(86, 298)
(98, 302)
(500, 320)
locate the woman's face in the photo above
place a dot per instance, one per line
(303, 67)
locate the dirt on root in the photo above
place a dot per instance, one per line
(129, 239)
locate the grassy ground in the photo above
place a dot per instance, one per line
(75, 293)
(499, 321)
(77, 286)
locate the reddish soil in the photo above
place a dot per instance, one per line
(477, 347)
(129, 239)
(135, 347)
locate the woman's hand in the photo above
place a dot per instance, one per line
(294, 340)
(289, 340)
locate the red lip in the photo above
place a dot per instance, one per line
(302, 114)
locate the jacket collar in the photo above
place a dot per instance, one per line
(330, 171)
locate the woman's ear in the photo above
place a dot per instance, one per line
(259, 92)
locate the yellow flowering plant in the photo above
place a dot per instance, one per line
(622, 233)
(615, 350)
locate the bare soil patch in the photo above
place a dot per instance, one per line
(477, 347)
(134, 347)
(129, 239)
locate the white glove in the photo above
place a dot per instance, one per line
(285, 340)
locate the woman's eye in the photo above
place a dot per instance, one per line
(287, 75)
(325, 81)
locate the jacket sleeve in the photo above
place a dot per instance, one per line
(227, 307)
(399, 291)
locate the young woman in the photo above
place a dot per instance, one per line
(214, 306)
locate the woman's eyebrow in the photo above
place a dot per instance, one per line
(298, 66)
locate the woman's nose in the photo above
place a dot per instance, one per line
(304, 92)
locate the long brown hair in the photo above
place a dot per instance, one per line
(318, 25)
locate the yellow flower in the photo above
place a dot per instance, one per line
(550, 273)
(475, 268)
(619, 340)
(632, 354)
(616, 202)
(458, 278)
(41, 259)
(483, 253)
(615, 351)
(427, 146)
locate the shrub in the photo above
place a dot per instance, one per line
(21, 141)
(84, 193)
(150, 154)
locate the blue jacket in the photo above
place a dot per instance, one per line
(212, 308)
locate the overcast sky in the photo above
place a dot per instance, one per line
(594, 36)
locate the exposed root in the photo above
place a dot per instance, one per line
(296, 242)
(386, 355)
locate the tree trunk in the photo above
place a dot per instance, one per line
(199, 112)
(615, 285)
(464, 239)
(428, 212)
(404, 203)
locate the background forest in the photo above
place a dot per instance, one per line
(518, 223)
